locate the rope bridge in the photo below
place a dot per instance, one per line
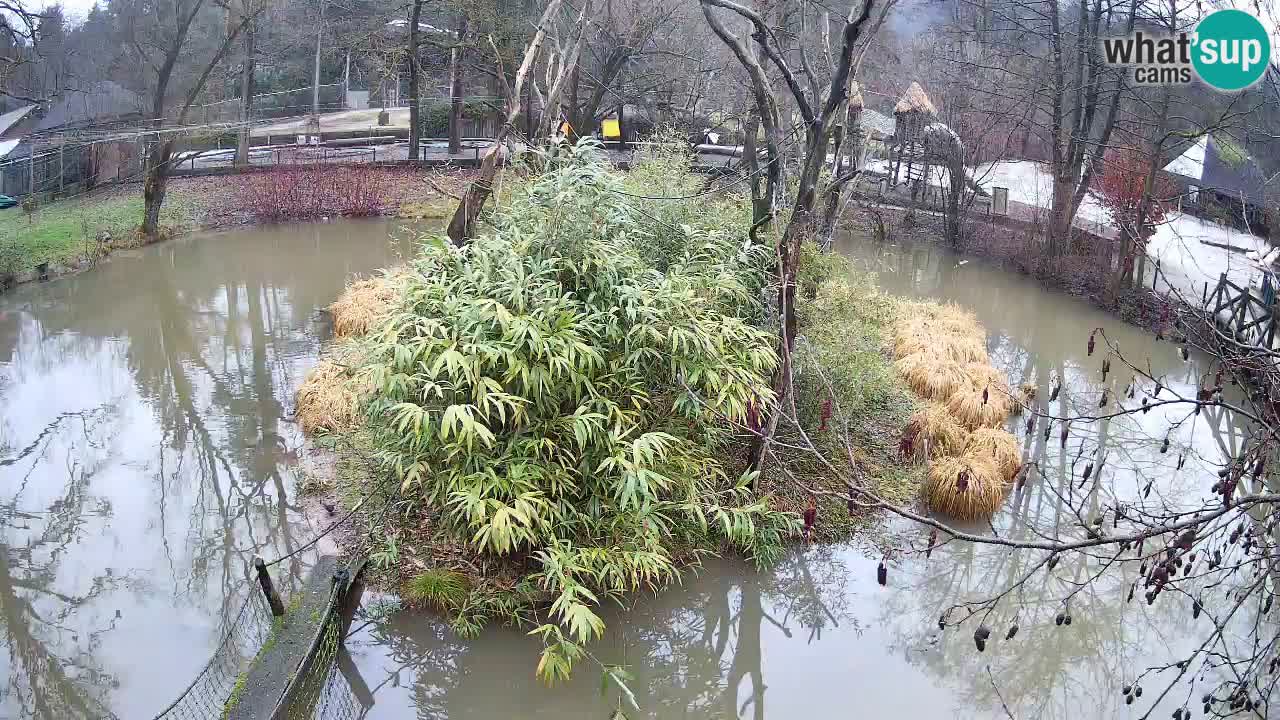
(263, 670)
(327, 686)
(207, 695)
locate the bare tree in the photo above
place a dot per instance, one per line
(247, 88)
(415, 81)
(820, 110)
(462, 225)
(167, 39)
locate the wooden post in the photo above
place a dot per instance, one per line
(62, 143)
(268, 588)
(31, 171)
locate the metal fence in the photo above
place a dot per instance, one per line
(271, 106)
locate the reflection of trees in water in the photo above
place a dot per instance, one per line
(694, 649)
(1047, 670)
(44, 680)
(210, 336)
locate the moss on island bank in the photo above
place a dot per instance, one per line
(546, 418)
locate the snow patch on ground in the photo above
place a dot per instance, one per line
(1186, 262)
(1030, 184)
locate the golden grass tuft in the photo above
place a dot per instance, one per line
(944, 330)
(979, 495)
(949, 318)
(328, 400)
(951, 346)
(934, 424)
(969, 410)
(941, 352)
(997, 447)
(932, 377)
(361, 305)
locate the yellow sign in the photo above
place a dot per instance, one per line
(565, 129)
(610, 129)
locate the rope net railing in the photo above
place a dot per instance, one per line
(222, 677)
(330, 689)
(326, 687)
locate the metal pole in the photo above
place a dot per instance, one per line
(346, 78)
(315, 88)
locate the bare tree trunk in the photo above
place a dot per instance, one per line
(158, 157)
(246, 99)
(575, 130)
(462, 226)
(455, 89)
(415, 119)
(155, 186)
(819, 114)
(315, 79)
(568, 64)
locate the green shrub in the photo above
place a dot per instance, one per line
(441, 589)
(562, 399)
(434, 117)
(842, 363)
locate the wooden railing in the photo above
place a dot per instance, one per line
(1239, 310)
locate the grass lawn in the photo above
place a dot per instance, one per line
(66, 231)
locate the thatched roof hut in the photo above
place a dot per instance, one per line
(914, 100)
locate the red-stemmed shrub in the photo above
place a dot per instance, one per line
(308, 193)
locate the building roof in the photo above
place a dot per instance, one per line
(1191, 162)
(13, 117)
(914, 100)
(7, 146)
(105, 100)
(1230, 171)
(878, 125)
(1222, 166)
(422, 27)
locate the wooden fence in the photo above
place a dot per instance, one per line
(1249, 316)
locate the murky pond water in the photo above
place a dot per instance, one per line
(817, 637)
(145, 458)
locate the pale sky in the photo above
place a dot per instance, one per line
(73, 10)
(76, 10)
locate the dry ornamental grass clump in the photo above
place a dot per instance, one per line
(933, 426)
(930, 376)
(942, 354)
(965, 487)
(998, 447)
(979, 407)
(328, 400)
(362, 304)
(920, 337)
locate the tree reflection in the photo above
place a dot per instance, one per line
(43, 679)
(190, 349)
(694, 650)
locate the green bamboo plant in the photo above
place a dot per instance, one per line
(561, 391)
